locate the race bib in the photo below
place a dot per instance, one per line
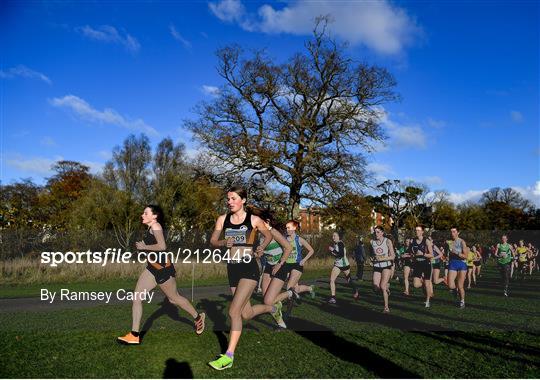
(238, 234)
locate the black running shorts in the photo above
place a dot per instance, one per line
(422, 269)
(238, 271)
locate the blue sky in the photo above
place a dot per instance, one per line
(77, 78)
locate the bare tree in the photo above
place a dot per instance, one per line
(507, 196)
(294, 125)
(128, 170)
(402, 202)
(128, 174)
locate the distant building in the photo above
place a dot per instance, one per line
(378, 220)
(310, 220)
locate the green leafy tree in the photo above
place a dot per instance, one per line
(67, 184)
(352, 212)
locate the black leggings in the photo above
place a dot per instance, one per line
(360, 269)
(350, 282)
(505, 270)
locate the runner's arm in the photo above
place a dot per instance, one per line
(464, 250)
(261, 226)
(407, 252)
(438, 252)
(391, 252)
(214, 240)
(311, 251)
(429, 246)
(160, 245)
(340, 252)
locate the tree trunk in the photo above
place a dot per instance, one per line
(395, 232)
(294, 202)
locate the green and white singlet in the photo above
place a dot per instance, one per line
(273, 252)
(506, 252)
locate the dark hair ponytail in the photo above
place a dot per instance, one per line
(158, 211)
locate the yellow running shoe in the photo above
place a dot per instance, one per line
(221, 363)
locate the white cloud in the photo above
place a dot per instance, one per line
(228, 10)
(381, 171)
(24, 72)
(436, 123)
(380, 168)
(36, 165)
(178, 37)
(432, 180)
(85, 111)
(402, 135)
(210, 90)
(110, 34)
(95, 167)
(105, 154)
(48, 141)
(42, 166)
(379, 25)
(516, 116)
(379, 146)
(471, 195)
(429, 181)
(531, 193)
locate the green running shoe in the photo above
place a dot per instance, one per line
(312, 292)
(221, 363)
(278, 315)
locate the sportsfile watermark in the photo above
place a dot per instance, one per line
(118, 256)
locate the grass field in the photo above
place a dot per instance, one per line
(491, 337)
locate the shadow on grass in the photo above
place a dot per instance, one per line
(358, 313)
(479, 344)
(215, 312)
(493, 342)
(513, 292)
(444, 317)
(166, 308)
(177, 370)
(351, 352)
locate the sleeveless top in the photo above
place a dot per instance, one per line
(381, 252)
(273, 253)
(159, 260)
(453, 247)
(415, 247)
(296, 254)
(341, 261)
(522, 252)
(471, 256)
(506, 251)
(243, 233)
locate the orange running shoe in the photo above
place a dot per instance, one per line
(129, 339)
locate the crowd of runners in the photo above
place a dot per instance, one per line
(266, 254)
